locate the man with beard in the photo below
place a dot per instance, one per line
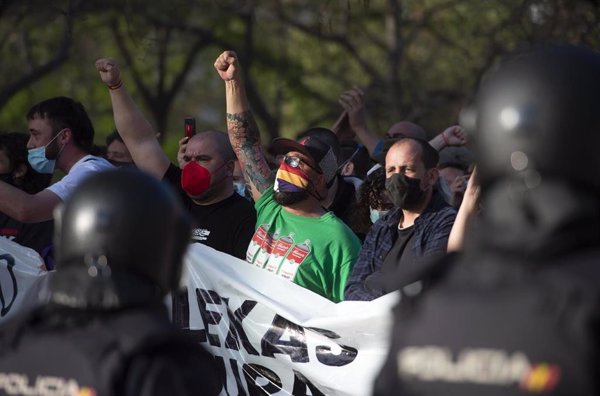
(516, 312)
(296, 238)
(417, 229)
(61, 137)
(120, 240)
(223, 220)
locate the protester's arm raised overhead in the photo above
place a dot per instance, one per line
(137, 133)
(353, 102)
(241, 126)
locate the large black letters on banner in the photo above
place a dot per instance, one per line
(220, 362)
(295, 348)
(253, 372)
(236, 333)
(236, 330)
(325, 356)
(10, 263)
(300, 385)
(205, 297)
(234, 364)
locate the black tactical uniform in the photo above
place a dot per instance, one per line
(119, 243)
(517, 313)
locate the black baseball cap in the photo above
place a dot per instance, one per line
(322, 154)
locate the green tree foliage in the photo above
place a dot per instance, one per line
(416, 59)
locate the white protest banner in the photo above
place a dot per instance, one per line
(269, 335)
(21, 275)
(273, 337)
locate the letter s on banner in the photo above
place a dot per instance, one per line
(325, 355)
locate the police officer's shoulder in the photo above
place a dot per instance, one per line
(175, 369)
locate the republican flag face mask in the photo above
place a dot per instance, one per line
(290, 178)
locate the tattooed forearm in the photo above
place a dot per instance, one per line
(245, 140)
(242, 126)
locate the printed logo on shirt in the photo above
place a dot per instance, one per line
(477, 366)
(21, 384)
(200, 234)
(278, 254)
(9, 233)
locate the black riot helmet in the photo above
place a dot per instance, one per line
(538, 117)
(119, 240)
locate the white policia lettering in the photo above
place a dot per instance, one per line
(19, 384)
(482, 366)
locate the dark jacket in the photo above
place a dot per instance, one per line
(127, 352)
(432, 229)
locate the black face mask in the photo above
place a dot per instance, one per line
(7, 178)
(121, 164)
(405, 192)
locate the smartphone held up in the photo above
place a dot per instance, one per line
(189, 126)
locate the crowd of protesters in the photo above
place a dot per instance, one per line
(344, 211)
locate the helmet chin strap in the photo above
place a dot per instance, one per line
(543, 222)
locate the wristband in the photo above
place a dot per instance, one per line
(116, 86)
(443, 137)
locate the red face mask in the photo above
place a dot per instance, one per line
(195, 179)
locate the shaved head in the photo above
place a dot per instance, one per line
(406, 129)
(221, 140)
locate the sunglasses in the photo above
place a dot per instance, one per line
(294, 162)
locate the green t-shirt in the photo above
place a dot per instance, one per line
(314, 252)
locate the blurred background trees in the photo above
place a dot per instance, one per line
(415, 59)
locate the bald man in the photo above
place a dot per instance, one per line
(401, 242)
(223, 220)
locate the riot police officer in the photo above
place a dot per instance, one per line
(119, 244)
(517, 312)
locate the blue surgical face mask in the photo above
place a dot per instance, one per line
(37, 158)
(375, 214)
(38, 161)
(240, 188)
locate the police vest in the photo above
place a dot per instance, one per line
(49, 353)
(494, 326)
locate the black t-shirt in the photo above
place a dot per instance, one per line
(37, 236)
(226, 226)
(400, 257)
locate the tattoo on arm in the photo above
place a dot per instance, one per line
(245, 140)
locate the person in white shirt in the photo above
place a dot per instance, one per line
(61, 137)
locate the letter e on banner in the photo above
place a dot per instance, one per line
(204, 298)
